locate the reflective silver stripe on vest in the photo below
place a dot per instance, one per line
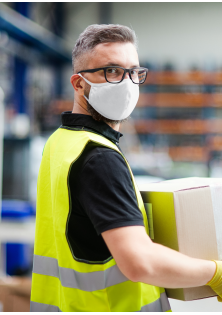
(90, 281)
(40, 307)
(156, 306)
(160, 305)
(152, 307)
(165, 302)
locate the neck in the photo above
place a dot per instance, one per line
(79, 108)
(114, 126)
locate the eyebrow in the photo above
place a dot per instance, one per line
(117, 65)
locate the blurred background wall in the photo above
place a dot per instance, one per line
(184, 34)
(176, 129)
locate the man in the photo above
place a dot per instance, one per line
(92, 249)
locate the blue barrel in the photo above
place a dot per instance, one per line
(18, 256)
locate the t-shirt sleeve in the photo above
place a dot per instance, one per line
(107, 194)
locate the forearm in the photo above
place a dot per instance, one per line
(141, 260)
(167, 268)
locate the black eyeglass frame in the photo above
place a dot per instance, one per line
(125, 71)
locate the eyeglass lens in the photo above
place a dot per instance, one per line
(115, 74)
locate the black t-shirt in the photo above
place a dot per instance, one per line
(102, 194)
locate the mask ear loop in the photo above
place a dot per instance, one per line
(90, 83)
(93, 84)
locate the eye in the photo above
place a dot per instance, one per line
(112, 70)
(133, 72)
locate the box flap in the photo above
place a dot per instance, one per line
(182, 184)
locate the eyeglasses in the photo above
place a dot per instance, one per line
(117, 74)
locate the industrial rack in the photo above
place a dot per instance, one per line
(181, 111)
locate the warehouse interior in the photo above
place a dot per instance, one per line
(174, 132)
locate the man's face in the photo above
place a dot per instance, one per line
(108, 54)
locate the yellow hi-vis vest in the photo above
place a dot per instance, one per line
(60, 282)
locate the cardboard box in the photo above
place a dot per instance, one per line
(15, 294)
(187, 217)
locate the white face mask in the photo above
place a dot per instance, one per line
(113, 101)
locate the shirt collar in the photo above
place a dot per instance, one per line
(70, 119)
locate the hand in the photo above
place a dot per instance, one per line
(216, 282)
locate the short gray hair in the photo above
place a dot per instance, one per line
(96, 34)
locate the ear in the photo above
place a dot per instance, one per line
(78, 83)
